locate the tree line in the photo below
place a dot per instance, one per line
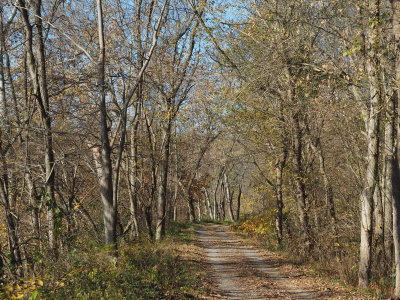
(312, 97)
(99, 104)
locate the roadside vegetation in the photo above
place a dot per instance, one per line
(339, 266)
(171, 269)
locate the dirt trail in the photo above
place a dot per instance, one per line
(243, 272)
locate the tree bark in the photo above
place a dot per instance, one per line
(378, 241)
(163, 177)
(222, 201)
(395, 162)
(10, 218)
(238, 203)
(371, 175)
(153, 188)
(228, 197)
(106, 184)
(217, 202)
(279, 197)
(387, 187)
(37, 71)
(396, 221)
(208, 203)
(176, 179)
(133, 176)
(300, 183)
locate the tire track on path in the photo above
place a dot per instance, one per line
(240, 272)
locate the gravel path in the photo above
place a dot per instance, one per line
(241, 272)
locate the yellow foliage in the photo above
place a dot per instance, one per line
(23, 289)
(39, 282)
(262, 225)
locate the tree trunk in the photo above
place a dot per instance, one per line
(395, 162)
(176, 180)
(190, 202)
(278, 193)
(228, 197)
(217, 210)
(208, 203)
(11, 225)
(371, 175)
(46, 119)
(215, 203)
(300, 183)
(222, 201)
(378, 227)
(149, 220)
(238, 203)
(148, 207)
(133, 177)
(11, 220)
(106, 184)
(163, 180)
(199, 209)
(396, 221)
(387, 194)
(38, 76)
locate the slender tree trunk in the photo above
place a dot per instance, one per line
(133, 176)
(228, 197)
(176, 180)
(37, 71)
(148, 208)
(11, 220)
(396, 221)
(106, 184)
(190, 201)
(371, 176)
(149, 220)
(279, 201)
(278, 193)
(208, 203)
(10, 78)
(300, 184)
(222, 199)
(387, 193)
(163, 180)
(199, 209)
(378, 227)
(280, 165)
(46, 119)
(238, 203)
(28, 176)
(215, 203)
(395, 162)
(217, 208)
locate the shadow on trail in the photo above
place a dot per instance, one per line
(240, 272)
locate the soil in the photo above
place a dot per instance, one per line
(238, 270)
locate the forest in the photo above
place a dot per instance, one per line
(122, 120)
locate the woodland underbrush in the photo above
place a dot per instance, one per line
(143, 270)
(333, 257)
